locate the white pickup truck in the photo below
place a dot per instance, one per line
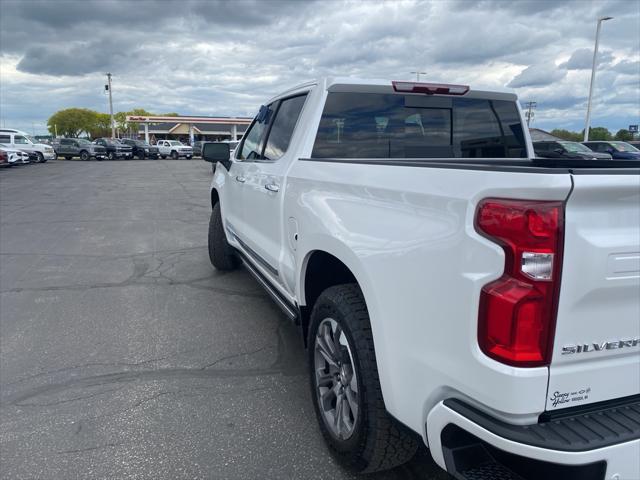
(174, 149)
(448, 285)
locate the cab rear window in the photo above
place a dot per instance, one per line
(371, 125)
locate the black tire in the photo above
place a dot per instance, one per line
(377, 442)
(163, 156)
(111, 156)
(84, 155)
(189, 157)
(141, 155)
(68, 158)
(174, 155)
(40, 157)
(221, 254)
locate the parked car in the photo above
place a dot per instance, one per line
(634, 143)
(197, 148)
(566, 149)
(141, 149)
(79, 147)
(4, 159)
(618, 150)
(15, 156)
(174, 149)
(410, 232)
(114, 148)
(22, 141)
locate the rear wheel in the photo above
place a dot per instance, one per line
(111, 156)
(345, 386)
(84, 155)
(174, 155)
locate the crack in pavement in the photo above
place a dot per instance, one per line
(144, 274)
(68, 400)
(287, 363)
(89, 449)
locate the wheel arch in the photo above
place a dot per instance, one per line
(322, 269)
(215, 197)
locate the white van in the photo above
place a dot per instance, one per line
(22, 141)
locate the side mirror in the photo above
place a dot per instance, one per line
(217, 152)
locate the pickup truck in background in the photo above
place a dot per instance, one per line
(115, 149)
(174, 149)
(449, 286)
(141, 149)
(79, 147)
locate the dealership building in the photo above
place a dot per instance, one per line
(190, 129)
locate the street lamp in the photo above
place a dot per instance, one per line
(587, 122)
(418, 75)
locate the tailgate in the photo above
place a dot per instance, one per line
(596, 353)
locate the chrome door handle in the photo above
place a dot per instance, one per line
(240, 179)
(272, 187)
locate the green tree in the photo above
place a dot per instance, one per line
(599, 133)
(566, 134)
(101, 126)
(624, 135)
(71, 122)
(129, 127)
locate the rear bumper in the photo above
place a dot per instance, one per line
(596, 445)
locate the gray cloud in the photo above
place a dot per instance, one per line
(582, 59)
(538, 76)
(224, 57)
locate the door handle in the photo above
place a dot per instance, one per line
(240, 179)
(272, 187)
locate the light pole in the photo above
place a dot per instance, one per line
(113, 123)
(418, 75)
(587, 122)
(529, 114)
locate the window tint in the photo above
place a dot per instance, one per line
(19, 139)
(252, 145)
(5, 139)
(65, 141)
(367, 125)
(282, 128)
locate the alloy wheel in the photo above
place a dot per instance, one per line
(336, 380)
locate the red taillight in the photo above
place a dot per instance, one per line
(430, 88)
(517, 315)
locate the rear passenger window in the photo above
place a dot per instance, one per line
(369, 125)
(283, 126)
(5, 139)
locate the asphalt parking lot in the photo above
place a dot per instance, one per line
(124, 354)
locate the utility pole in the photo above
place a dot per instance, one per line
(587, 122)
(113, 123)
(418, 75)
(530, 107)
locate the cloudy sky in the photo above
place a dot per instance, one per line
(227, 57)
